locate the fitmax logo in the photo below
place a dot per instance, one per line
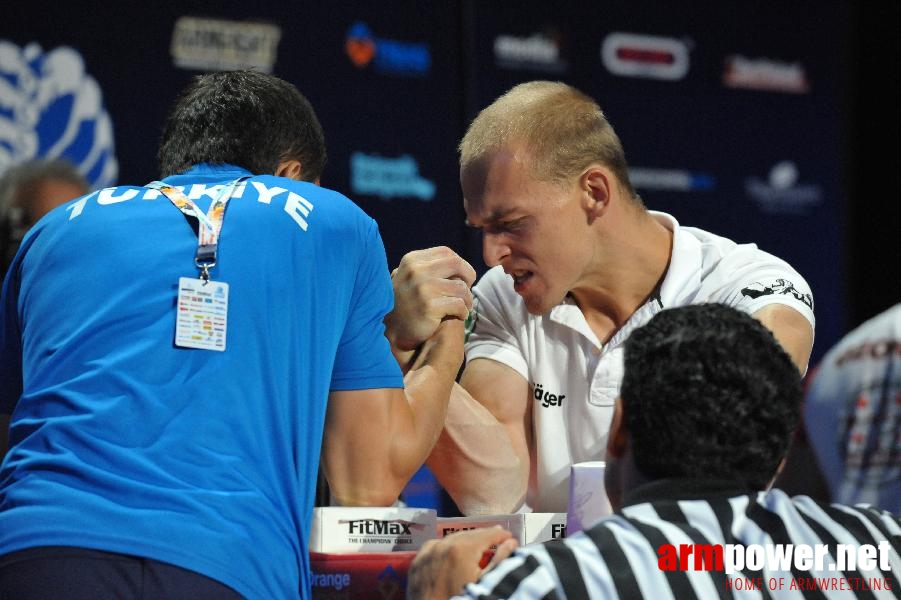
(446, 531)
(377, 527)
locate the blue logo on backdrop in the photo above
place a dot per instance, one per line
(51, 108)
(387, 56)
(389, 177)
(671, 180)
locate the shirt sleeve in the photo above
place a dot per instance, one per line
(527, 573)
(364, 359)
(496, 322)
(754, 279)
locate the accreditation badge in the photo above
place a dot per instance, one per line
(202, 314)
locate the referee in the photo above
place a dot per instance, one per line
(708, 405)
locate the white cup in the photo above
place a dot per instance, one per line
(588, 500)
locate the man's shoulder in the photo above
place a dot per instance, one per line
(722, 255)
(706, 267)
(306, 189)
(496, 287)
(307, 201)
(722, 261)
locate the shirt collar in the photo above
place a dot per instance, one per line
(685, 489)
(206, 173)
(684, 272)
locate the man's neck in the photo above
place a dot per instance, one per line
(633, 262)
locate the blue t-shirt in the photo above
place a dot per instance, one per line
(121, 441)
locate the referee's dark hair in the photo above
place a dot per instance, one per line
(244, 118)
(709, 392)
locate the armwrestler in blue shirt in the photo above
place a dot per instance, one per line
(174, 357)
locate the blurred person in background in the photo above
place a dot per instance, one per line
(852, 414)
(28, 191)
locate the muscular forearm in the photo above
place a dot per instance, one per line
(428, 383)
(475, 461)
(377, 439)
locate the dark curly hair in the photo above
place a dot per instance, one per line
(709, 392)
(244, 118)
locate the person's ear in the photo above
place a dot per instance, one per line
(618, 438)
(594, 185)
(290, 169)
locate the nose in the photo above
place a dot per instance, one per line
(494, 248)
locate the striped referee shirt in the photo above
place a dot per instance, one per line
(685, 539)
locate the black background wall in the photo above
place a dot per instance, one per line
(874, 191)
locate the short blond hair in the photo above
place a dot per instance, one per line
(562, 129)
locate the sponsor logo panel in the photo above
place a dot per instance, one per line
(671, 180)
(536, 52)
(765, 74)
(221, 45)
(388, 177)
(782, 192)
(50, 107)
(646, 56)
(384, 55)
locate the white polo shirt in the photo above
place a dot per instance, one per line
(574, 379)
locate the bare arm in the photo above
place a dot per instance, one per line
(482, 457)
(375, 440)
(791, 329)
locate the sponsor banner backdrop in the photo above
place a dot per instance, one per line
(731, 115)
(384, 79)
